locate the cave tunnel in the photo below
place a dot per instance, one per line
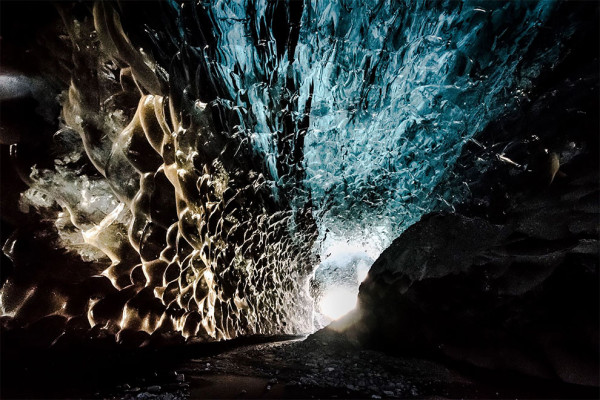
(300, 199)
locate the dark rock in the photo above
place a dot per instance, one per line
(145, 396)
(519, 296)
(154, 389)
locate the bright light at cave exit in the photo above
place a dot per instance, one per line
(338, 302)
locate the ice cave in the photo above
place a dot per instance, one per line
(300, 199)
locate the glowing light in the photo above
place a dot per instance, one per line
(336, 247)
(362, 272)
(338, 302)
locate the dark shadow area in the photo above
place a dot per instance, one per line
(95, 368)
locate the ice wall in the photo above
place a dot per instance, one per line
(394, 91)
(162, 224)
(205, 146)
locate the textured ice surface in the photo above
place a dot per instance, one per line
(397, 88)
(184, 232)
(201, 170)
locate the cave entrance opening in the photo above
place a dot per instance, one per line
(336, 280)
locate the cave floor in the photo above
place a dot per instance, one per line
(328, 366)
(324, 365)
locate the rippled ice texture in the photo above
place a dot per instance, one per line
(355, 111)
(397, 89)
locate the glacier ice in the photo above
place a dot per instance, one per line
(392, 91)
(248, 139)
